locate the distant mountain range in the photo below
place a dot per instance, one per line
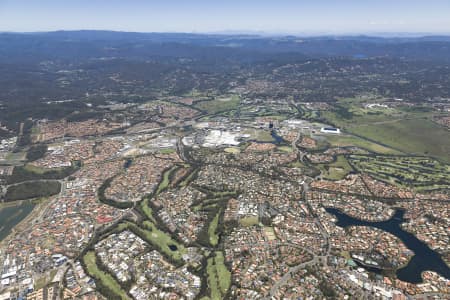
(64, 44)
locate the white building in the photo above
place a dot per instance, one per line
(330, 130)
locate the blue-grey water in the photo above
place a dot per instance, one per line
(278, 139)
(424, 259)
(12, 215)
(127, 163)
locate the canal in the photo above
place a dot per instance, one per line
(424, 259)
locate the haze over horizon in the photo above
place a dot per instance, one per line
(201, 16)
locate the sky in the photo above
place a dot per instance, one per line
(209, 16)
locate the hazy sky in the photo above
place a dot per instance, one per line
(275, 16)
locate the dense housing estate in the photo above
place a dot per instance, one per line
(168, 167)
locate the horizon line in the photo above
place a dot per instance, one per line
(260, 33)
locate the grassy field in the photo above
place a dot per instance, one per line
(336, 170)
(233, 150)
(308, 114)
(219, 105)
(148, 211)
(219, 278)
(249, 221)
(29, 172)
(351, 112)
(106, 279)
(167, 151)
(279, 113)
(32, 189)
(165, 180)
(163, 240)
(403, 128)
(297, 164)
(351, 140)
(15, 156)
(419, 172)
(287, 149)
(416, 136)
(260, 135)
(270, 233)
(212, 230)
(39, 170)
(195, 93)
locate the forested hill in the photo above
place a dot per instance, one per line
(52, 75)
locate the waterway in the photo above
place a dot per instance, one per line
(173, 247)
(127, 163)
(10, 216)
(278, 139)
(424, 259)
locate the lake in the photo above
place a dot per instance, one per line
(127, 163)
(278, 139)
(424, 259)
(12, 215)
